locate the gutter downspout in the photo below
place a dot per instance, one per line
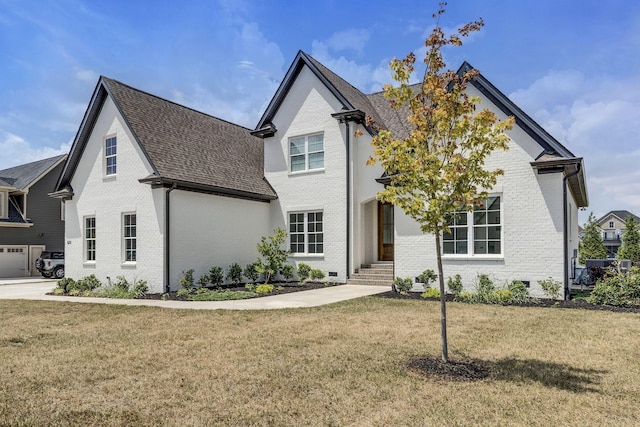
(348, 142)
(167, 238)
(566, 230)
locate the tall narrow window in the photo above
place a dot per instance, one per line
(306, 233)
(129, 237)
(3, 205)
(475, 232)
(110, 155)
(306, 153)
(90, 238)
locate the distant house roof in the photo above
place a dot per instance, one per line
(24, 176)
(621, 215)
(183, 146)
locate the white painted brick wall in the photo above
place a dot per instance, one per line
(107, 199)
(307, 109)
(532, 223)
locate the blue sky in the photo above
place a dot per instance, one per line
(574, 66)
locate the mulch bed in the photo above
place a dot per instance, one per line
(454, 370)
(278, 289)
(535, 302)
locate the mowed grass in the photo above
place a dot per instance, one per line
(344, 364)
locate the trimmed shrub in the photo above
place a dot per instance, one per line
(186, 280)
(64, 285)
(216, 277)
(551, 287)
(264, 289)
(287, 271)
(619, 288)
(303, 271)
(485, 289)
(402, 285)
(316, 274)
(251, 272)
(431, 293)
(502, 296)
(455, 284)
(465, 297)
(234, 275)
(519, 292)
(427, 277)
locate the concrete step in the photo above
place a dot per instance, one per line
(359, 281)
(367, 276)
(376, 272)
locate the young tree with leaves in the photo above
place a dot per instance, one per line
(591, 246)
(439, 167)
(630, 248)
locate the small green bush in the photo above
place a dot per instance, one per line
(303, 271)
(618, 288)
(316, 274)
(88, 283)
(431, 293)
(402, 285)
(64, 285)
(551, 287)
(203, 281)
(465, 297)
(519, 292)
(455, 284)
(186, 280)
(427, 277)
(485, 289)
(234, 275)
(264, 289)
(502, 296)
(216, 277)
(251, 272)
(204, 294)
(287, 271)
(121, 289)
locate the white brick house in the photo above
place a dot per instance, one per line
(305, 170)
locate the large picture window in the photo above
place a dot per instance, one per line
(90, 238)
(475, 232)
(110, 155)
(306, 233)
(306, 153)
(129, 237)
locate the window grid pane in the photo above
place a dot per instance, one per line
(296, 233)
(487, 229)
(314, 220)
(306, 233)
(110, 154)
(455, 242)
(90, 238)
(129, 237)
(306, 153)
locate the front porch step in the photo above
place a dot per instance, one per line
(380, 274)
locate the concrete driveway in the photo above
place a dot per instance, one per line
(36, 289)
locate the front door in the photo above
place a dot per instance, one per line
(385, 231)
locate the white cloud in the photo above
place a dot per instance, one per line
(353, 39)
(16, 150)
(596, 118)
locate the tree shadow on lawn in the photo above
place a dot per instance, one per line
(549, 374)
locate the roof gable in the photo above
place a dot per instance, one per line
(24, 176)
(350, 97)
(182, 145)
(621, 215)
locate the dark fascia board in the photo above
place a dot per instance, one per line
(298, 63)
(161, 182)
(526, 123)
(100, 94)
(353, 115)
(265, 132)
(577, 182)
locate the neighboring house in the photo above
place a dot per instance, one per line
(612, 225)
(30, 221)
(195, 191)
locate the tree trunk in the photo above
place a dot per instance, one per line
(443, 303)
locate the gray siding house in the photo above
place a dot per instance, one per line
(30, 220)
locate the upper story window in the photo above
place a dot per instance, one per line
(611, 224)
(306, 153)
(478, 232)
(110, 155)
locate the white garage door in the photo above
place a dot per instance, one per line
(13, 261)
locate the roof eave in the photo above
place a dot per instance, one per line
(157, 181)
(573, 168)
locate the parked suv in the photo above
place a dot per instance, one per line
(51, 264)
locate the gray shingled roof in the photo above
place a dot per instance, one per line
(183, 145)
(23, 176)
(622, 214)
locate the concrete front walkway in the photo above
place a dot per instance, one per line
(37, 291)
